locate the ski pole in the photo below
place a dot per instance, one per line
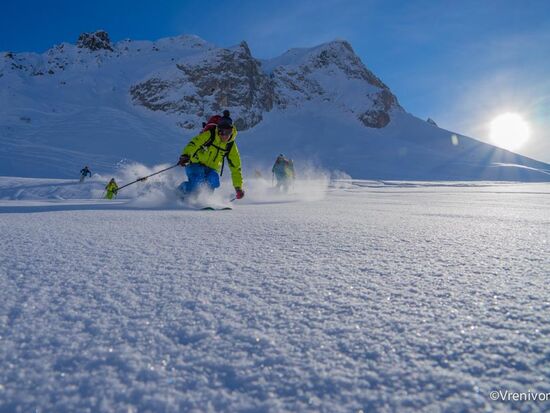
(145, 177)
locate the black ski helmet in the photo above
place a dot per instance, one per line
(225, 122)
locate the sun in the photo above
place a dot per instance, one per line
(509, 131)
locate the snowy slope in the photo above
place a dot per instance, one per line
(99, 103)
(335, 142)
(70, 107)
(375, 297)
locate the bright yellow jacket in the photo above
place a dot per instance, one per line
(111, 189)
(111, 186)
(212, 156)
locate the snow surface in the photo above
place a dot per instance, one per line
(353, 296)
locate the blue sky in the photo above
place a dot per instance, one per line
(460, 63)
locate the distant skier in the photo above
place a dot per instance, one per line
(84, 172)
(283, 169)
(111, 189)
(203, 157)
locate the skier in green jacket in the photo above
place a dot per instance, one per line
(111, 189)
(203, 157)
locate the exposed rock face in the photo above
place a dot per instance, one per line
(375, 118)
(151, 94)
(298, 83)
(431, 121)
(311, 79)
(379, 115)
(227, 79)
(95, 41)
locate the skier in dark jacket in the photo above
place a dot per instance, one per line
(85, 172)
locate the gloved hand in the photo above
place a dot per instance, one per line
(184, 160)
(239, 193)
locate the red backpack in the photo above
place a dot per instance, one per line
(214, 120)
(212, 123)
(211, 126)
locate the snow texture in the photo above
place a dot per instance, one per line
(358, 296)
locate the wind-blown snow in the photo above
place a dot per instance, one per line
(376, 296)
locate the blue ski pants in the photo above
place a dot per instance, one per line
(200, 176)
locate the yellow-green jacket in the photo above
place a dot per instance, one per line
(111, 187)
(111, 190)
(212, 156)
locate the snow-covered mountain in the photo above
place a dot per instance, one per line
(100, 103)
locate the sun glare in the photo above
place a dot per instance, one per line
(509, 131)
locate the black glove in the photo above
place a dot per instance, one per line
(184, 160)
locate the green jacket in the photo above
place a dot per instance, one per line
(111, 187)
(212, 156)
(111, 190)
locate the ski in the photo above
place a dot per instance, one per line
(209, 208)
(192, 202)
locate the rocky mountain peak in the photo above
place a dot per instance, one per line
(244, 46)
(331, 72)
(98, 40)
(222, 78)
(340, 54)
